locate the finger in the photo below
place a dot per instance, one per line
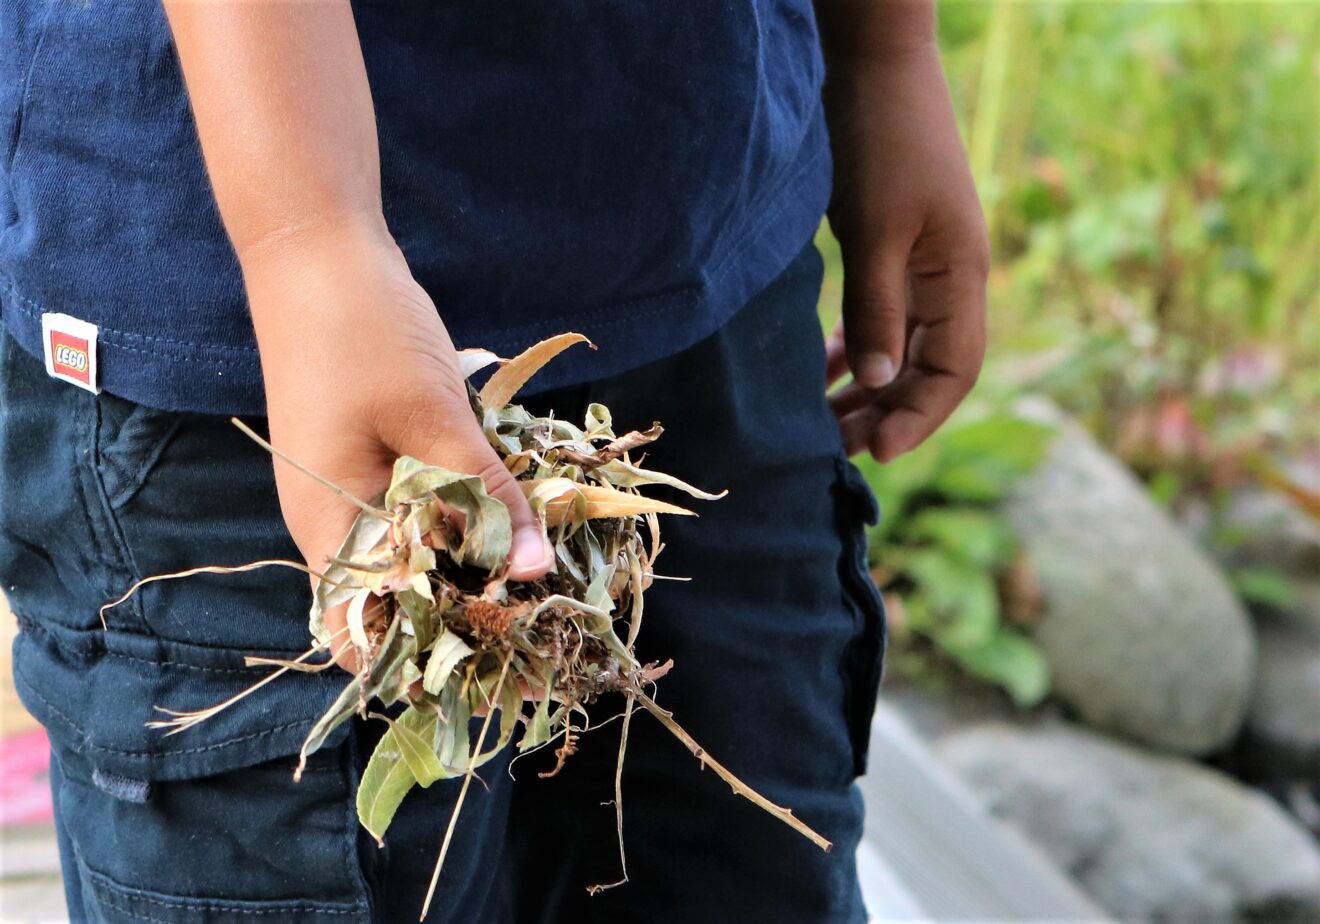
(456, 441)
(925, 394)
(341, 645)
(875, 313)
(836, 357)
(849, 398)
(855, 428)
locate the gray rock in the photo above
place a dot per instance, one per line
(1143, 634)
(1282, 734)
(1149, 837)
(933, 711)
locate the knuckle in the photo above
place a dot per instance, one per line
(874, 309)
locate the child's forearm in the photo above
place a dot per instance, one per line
(357, 365)
(860, 30)
(284, 113)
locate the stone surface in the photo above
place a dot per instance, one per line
(1151, 838)
(1143, 633)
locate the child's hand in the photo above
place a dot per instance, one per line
(915, 254)
(360, 370)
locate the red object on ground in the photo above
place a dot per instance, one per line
(25, 779)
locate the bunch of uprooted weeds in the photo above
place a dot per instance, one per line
(435, 624)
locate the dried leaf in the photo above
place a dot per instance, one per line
(357, 630)
(488, 532)
(472, 361)
(367, 533)
(449, 651)
(620, 474)
(558, 497)
(510, 377)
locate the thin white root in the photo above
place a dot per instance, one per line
(211, 569)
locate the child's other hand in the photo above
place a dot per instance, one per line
(915, 253)
(359, 370)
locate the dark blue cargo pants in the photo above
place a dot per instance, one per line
(777, 641)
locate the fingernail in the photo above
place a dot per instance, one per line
(529, 549)
(875, 370)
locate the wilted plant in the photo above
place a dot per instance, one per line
(435, 624)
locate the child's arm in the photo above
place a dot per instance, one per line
(358, 366)
(908, 220)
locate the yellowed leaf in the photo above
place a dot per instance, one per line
(510, 377)
(559, 496)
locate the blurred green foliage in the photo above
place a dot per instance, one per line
(1150, 174)
(942, 547)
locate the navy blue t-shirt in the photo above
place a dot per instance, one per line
(631, 169)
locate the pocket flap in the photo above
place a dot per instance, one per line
(96, 699)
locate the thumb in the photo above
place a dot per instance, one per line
(460, 444)
(875, 315)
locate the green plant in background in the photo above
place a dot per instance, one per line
(942, 546)
(1150, 174)
(1151, 179)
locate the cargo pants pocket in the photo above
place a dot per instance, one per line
(863, 660)
(243, 845)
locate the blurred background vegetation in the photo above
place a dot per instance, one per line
(1150, 179)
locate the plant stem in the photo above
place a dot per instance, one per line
(462, 793)
(666, 719)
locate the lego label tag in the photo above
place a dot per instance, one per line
(70, 348)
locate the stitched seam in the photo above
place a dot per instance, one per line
(95, 524)
(352, 863)
(124, 560)
(118, 896)
(102, 651)
(35, 309)
(89, 745)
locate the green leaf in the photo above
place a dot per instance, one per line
(488, 533)
(419, 612)
(454, 743)
(976, 535)
(413, 733)
(538, 727)
(981, 460)
(389, 776)
(1264, 586)
(895, 484)
(598, 593)
(344, 706)
(962, 596)
(1012, 661)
